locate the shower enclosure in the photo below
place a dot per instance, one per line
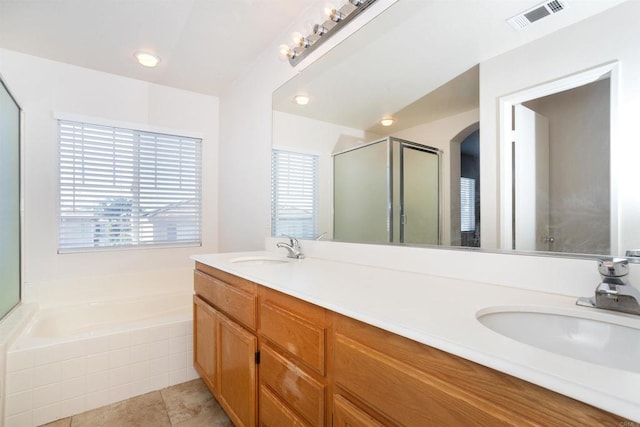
(387, 191)
(9, 201)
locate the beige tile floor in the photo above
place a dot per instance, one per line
(186, 405)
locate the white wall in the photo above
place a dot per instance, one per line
(573, 49)
(43, 88)
(245, 146)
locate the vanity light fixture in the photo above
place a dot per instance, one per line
(147, 59)
(387, 121)
(301, 40)
(301, 99)
(319, 30)
(337, 18)
(334, 14)
(286, 51)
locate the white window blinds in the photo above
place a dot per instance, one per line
(294, 194)
(467, 204)
(123, 187)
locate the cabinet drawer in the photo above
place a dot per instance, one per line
(238, 304)
(346, 414)
(274, 413)
(403, 393)
(291, 384)
(301, 338)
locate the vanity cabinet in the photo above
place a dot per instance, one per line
(274, 360)
(396, 381)
(225, 341)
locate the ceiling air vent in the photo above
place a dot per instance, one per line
(536, 13)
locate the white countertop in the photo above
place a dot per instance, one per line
(442, 313)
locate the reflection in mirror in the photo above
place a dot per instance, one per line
(443, 121)
(294, 189)
(561, 154)
(387, 191)
(447, 95)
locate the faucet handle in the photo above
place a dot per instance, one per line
(613, 267)
(293, 242)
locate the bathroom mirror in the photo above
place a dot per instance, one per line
(442, 72)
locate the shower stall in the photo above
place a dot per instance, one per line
(387, 191)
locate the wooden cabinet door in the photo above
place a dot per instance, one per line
(204, 342)
(237, 381)
(346, 414)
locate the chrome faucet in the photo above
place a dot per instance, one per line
(614, 291)
(293, 248)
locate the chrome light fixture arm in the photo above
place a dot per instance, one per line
(337, 18)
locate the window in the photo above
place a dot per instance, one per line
(467, 204)
(127, 188)
(294, 194)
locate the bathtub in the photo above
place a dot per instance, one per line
(71, 359)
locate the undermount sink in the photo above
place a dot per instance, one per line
(258, 260)
(599, 339)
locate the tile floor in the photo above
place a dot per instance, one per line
(188, 404)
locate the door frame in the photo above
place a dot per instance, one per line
(506, 136)
(452, 233)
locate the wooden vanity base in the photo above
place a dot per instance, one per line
(274, 360)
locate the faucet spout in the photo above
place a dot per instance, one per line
(294, 249)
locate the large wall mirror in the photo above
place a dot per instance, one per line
(533, 127)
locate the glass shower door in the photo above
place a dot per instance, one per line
(420, 196)
(9, 201)
(361, 210)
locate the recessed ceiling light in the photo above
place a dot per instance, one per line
(301, 99)
(387, 121)
(147, 59)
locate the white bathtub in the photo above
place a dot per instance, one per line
(101, 318)
(72, 359)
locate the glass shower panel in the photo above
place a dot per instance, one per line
(9, 202)
(420, 197)
(361, 195)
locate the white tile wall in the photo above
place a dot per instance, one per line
(57, 381)
(10, 328)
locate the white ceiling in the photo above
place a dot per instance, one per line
(204, 44)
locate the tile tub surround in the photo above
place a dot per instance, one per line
(10, 327)
(44, 384)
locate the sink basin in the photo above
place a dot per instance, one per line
(259, 261)
(601, 339)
